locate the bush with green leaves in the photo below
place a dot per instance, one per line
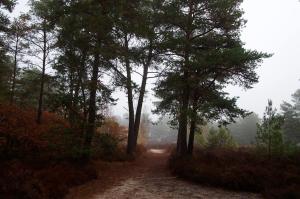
(105, 145)
(64, 143)
(200, 139)
(220, 138)
(291, 149)
(269, 133)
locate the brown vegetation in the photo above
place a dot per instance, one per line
(43, 160)
(53, 180)
(242, 169)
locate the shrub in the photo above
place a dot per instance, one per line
(38, 160)
(64, 143)
(22, 137)
(242, 169)
(112, 127)
(105, 145)
(19, 132)
(20, 180)
(269, 132)
(220, 138)
(291, 149)
(200, 139)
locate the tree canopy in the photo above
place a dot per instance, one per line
(84, 50)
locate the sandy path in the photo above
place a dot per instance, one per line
(150, 179)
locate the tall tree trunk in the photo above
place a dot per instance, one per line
(269, 141)
(192, 137)
(70, 104)
(193, 126)
(183, 122)
(92, 108)
(142, 95)
(85, 112)
(74, 114)
(82, 77)
(13, 87)
(183, 117)
(40, 105)
(131, 133)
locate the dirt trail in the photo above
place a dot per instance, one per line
(149, 178)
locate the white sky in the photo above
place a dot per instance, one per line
(273, 27)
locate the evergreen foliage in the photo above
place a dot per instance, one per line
(5, 60)
(192, 48)
(204, 54)
(220, 138)
(269, 132)
(291, 113)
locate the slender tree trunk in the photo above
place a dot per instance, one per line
(82, 77)
(270, 140)
(76, 99)
(70, 104)
(85, 113)
(92, 108)
(74, 114)
(182, 131)
(13, 87)
(183, 117)
(77, 90)
(141, 96)
(192, 137)
(193, 126)
(40, 105)
(131, 133)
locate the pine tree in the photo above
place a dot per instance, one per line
(269, 132)
(291, 113)
(6, 65)
(41, 39)
(137, 34)
(86, 45)
(17, 47)
(204, 51)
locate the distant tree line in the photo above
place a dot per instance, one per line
(277, 132)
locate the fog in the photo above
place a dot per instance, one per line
(274, 27)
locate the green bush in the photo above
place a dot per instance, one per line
(64, 143)
(105, 145)
(200, 139)
(269, 133)
(291, 149)
(220, 138)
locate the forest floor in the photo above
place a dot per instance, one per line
(147, 178)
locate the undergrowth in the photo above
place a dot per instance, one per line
(44, 161)
(242, 170)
